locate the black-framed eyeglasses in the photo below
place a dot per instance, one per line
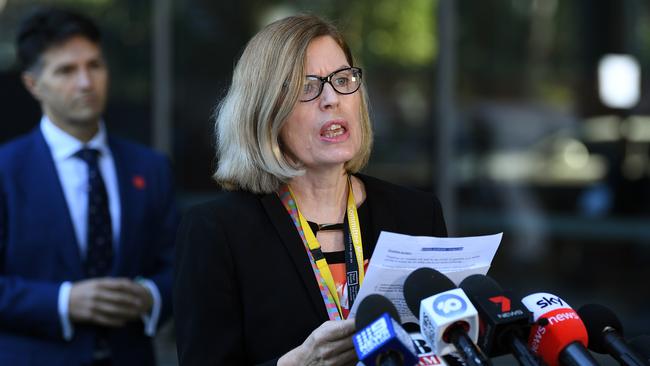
(344, 81)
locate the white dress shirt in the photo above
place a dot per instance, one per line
(73, 175)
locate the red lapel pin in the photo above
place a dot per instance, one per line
(139, 182)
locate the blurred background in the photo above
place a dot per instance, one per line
(528, 117)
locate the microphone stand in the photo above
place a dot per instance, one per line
(468, 350)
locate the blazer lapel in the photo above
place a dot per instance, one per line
(295, 248)
(125, 253)
(382, 214)
(53, 204)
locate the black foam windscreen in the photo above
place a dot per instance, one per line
(411, 327)
(481, 286)
(422, 283)
(596, 318)
(641, 344)
(371, 308)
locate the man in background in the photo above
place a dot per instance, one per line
(87, 221)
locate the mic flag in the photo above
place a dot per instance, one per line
(440, 312)
(382, 341)
(503, 318)
(448, 320)
(505, 321)
(558, 328)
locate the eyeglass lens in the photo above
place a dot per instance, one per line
(344, 81)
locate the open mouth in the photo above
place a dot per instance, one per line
(333, 130)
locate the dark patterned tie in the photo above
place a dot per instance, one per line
(99, 250)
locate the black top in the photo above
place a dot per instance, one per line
(364, 221)
(244, 290)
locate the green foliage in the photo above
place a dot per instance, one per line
(403, 31)
(383, 32)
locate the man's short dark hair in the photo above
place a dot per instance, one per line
(47, 27)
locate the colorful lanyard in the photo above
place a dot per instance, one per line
(316, 257)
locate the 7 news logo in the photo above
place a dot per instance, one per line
(505, 306)
(503, 301)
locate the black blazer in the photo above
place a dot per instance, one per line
(244, 290)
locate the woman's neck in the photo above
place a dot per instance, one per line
(321, 195)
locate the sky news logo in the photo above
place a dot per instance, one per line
(546, 301)
(542, 302)
(558, 318)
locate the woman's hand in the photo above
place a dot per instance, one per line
(329, 344)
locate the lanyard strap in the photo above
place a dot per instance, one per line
(351, 264)
(355, 231)
(317, 259)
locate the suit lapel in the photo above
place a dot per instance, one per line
(53, 205)
(124, 252)
(295, 248)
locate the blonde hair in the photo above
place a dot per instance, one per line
(265, 87)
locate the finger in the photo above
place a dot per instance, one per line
(116, 310)
(334, 348)
(141, 292)
(146, 302)
(117, 284)
(340, 329)
(134, 289)
(118, 298)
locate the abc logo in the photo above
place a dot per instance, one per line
(448, 305)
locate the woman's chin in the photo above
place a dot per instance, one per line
(335, 164)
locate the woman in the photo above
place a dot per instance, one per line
(261, 270)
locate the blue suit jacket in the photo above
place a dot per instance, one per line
(39, 250)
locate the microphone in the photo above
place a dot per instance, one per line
(641, 344)
(558, 336)
(425, 352)
(606, 335)
(504, 323)
(381, 340)
(448, 320)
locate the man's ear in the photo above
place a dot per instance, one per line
(30, 80)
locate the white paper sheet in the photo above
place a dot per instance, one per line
(397, 255)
